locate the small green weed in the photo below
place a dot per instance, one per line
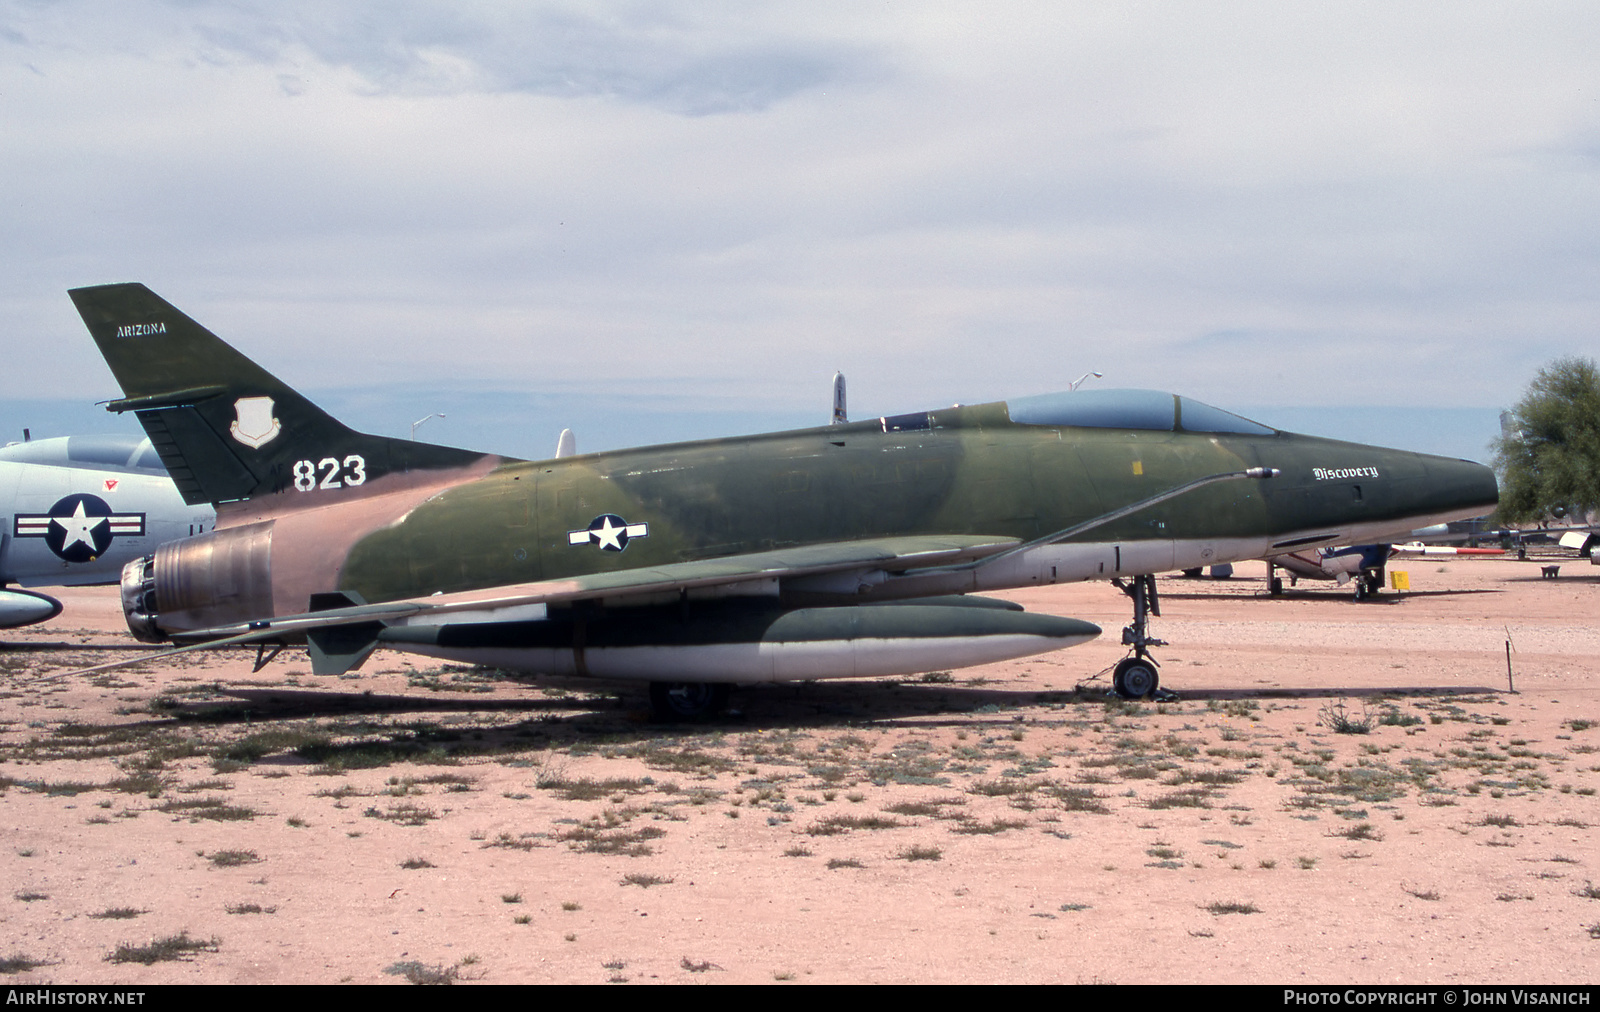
(1360, 831)
(163, 950)
(405, 813)
(418, 972)
(18, 963)
(698, 966)
(214, 809)
(972, 827)
(1340, 720)
(585, 789)
(1189, 797)
(833, 825)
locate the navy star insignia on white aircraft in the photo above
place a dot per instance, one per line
(78, 528)
(609, 531)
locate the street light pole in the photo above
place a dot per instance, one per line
(436, 414)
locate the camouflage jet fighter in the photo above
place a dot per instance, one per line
(74, 510)
(817, 553)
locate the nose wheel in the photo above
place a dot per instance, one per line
(1135, 678)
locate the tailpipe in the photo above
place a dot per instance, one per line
(139, 600)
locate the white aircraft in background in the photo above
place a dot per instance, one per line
(1362, 563)
(75, 509)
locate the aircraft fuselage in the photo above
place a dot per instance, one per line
(964, 471)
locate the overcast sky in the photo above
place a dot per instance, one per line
(708, 208)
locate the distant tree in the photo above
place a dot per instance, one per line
(1549, 457)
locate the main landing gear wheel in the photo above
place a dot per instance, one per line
(1135, 678)
(682, 701)
(1368, 584)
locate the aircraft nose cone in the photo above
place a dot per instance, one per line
(1378, 491)
(1461, 484)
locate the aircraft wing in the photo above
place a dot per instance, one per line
(890, 554)
(510, 602)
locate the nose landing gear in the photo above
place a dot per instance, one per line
(1136, 677)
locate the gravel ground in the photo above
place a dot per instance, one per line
(195, 821)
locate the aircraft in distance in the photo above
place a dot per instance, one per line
(816, 553)
(74, 510)
(1363, 564)
(1580, 540)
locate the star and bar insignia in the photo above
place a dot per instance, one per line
(78, 528)
(609, 531)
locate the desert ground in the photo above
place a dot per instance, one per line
(1344, 793)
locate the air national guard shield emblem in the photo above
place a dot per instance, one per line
(254, 424)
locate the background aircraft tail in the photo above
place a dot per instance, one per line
(225, 427)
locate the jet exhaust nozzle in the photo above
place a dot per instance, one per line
(139, 600)
(212, 579)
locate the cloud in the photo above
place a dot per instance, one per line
(627, 53)
(730, 201)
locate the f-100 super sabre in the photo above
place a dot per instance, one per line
(853, 549)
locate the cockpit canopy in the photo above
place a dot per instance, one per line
(1130, 409)
(112, 452)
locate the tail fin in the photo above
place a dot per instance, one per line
(225, 427)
